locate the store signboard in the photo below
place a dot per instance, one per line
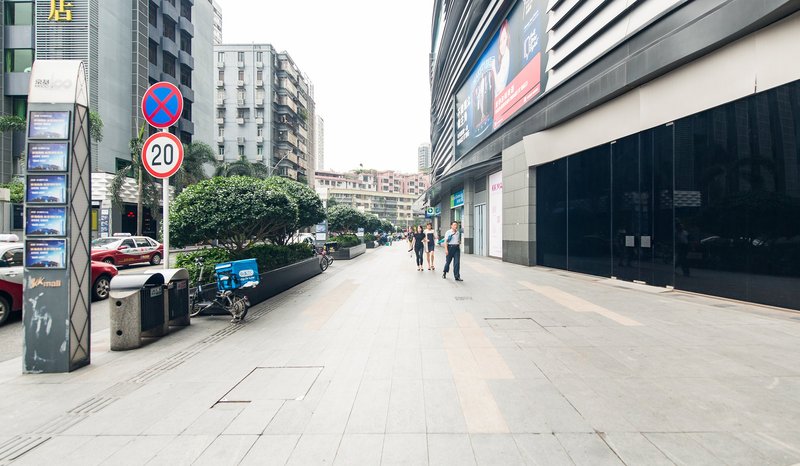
(46, 253)
(496, 214)
(457, 199)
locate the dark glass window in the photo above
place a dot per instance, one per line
(20, 107)
(169, 64)
(152, 52)
(551, 214)
(186, 9)
(153, 14)
(19, 60)
(187, 110)
(186, 76)
(18, 13)
(589, 208)
(169, 29)
(186, 42)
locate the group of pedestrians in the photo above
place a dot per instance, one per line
(423, 243)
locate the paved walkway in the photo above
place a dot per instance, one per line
(375, 363)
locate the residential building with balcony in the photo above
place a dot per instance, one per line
(262, 109)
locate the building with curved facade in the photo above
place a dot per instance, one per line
(655, 141)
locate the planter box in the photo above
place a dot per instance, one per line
(371, 244)
(350, 253)
(277, 281)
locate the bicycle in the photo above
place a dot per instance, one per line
(229, 301)
(325, 259)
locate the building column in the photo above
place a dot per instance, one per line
(519, 207)
(468, 221)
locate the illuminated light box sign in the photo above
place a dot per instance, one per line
(46, 253)
(46, 189)
(46, 221)
(48, 156)
(48, 125)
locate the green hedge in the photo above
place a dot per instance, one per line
(267, 256)
(346, 241)
(369, 237)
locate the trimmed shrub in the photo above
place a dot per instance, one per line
(346, 241)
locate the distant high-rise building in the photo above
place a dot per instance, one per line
(217, 22)
(424, 157)
(263, 109)
(319, 142)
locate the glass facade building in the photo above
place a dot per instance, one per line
(666, 153)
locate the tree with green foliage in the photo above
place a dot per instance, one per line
(387, 226)
(12, 123)
(236, 211)
(17, 189)
(309, 205)
(95, 126)
(196, 157)
(371, 223)
(344, 219)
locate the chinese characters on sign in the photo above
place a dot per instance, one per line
(60, 10)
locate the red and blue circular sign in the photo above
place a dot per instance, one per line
(162, 104)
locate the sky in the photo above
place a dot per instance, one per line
(368, 61)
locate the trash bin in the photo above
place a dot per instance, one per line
(176, 282)
(136, 309)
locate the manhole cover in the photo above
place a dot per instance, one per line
(512, 323)
(273, 383)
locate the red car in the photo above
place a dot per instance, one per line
(127, 250)
(11, 279)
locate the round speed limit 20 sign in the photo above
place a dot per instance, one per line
(162, 155)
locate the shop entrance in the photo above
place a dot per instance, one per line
(642, 207)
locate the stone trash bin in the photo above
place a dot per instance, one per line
(176, 282)
(136, 309)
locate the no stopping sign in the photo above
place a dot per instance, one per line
(162, 155)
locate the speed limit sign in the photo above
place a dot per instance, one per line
(162, 154)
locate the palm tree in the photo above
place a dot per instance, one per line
(243, 167)
(196, 155)
(148, 188)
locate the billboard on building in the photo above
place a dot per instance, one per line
(507, 78)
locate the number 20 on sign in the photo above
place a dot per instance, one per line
(162, 154)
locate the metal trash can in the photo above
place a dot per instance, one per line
(176, 282)
(136, 309)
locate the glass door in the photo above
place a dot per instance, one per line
(480, 230)
(642, 207)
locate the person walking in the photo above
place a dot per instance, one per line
(430, 244)
(418, 244)
(452, 247)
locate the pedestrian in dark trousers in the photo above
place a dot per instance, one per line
(418, 245)
(452, 247)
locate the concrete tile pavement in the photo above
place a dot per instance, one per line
(376, 363)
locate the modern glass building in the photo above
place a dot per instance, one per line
(655, 141)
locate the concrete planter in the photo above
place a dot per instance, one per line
(279, 280)
(371, 244)
(350, 253)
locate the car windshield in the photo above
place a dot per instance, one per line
(104, 242)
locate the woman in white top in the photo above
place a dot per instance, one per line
(430, 244)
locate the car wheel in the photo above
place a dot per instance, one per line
(108, 260)
(101, 288)
(5, 310)
(156, 259)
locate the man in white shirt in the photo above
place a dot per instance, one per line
(452, 247)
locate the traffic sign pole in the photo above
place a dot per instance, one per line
(165, 220)
(162, 106)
